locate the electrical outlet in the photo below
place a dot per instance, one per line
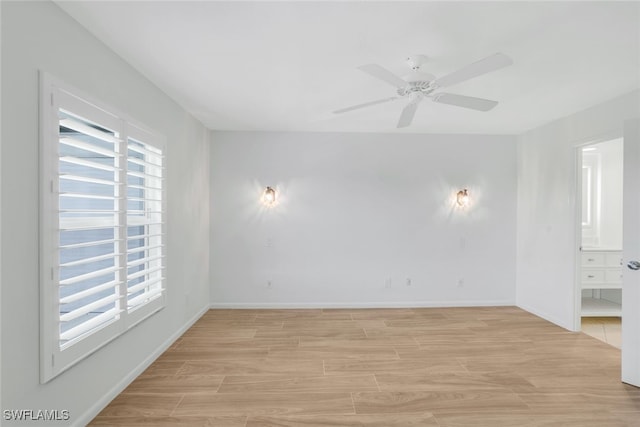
(387, 283)
(269, 284)
(408, 281)
(461, 282)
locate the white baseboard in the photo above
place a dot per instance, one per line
(385, 304)
(95, 409)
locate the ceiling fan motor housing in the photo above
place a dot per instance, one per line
(423, 86)
(418, 80)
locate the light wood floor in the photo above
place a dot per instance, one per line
(477, 367)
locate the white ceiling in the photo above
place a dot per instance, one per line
(285, 66)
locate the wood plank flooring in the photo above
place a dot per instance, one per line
(446, 367)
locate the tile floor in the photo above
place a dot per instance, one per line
(607, 329)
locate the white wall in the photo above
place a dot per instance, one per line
(358, 212)
(546, 205)
(38, 35)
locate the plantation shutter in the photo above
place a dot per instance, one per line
(102, 226)
(145, 212)
(89, 199)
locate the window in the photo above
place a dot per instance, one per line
(102, 226)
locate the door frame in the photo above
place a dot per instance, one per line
(577, 218)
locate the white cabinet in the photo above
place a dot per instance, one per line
(601, 270)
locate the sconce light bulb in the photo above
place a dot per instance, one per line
(462, 198)
(269, 196)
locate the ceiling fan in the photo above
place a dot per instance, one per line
(419, 85)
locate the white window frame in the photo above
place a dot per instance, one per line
(54, 357)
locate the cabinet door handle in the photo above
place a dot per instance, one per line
(591, 276)
(590, 259)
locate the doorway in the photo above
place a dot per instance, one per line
(600, 240)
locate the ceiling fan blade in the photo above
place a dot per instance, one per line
(480, 104)
(490, 63)
(407, 115)
(366, 104)
(383, 74)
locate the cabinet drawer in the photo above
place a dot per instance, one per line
(613, 276)
(613, 259)
(593, 258)
(592, 276)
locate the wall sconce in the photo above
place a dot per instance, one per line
(269, 197)
(462, 198)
